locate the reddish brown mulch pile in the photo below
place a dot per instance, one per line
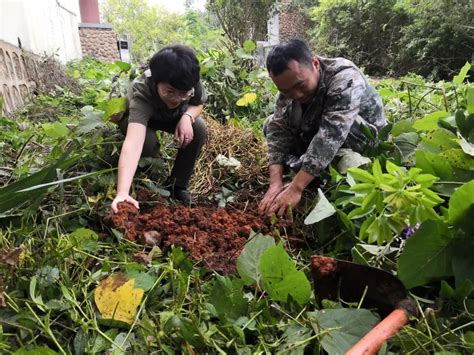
(214, 236)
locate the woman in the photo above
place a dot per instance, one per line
(168, 97)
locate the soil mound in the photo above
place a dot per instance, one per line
(213, 236)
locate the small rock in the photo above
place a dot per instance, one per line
(151, 238)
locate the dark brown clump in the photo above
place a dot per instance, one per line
(213, 236)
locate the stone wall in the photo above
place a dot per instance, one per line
(23, 74)
(15, 83)
(99, 41)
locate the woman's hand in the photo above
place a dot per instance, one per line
(121, 198)
(184, 133)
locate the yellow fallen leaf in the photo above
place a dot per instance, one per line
(117, 298)
(247, 99)
(95, 199)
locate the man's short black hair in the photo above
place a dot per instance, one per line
(176, 65)
(279, 56)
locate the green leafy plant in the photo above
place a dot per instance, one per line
(236, 86)
(389, 202)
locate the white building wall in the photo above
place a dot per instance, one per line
(43, 26)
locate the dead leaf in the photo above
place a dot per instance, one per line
(117, 298)
(2, 297)
(142, 258)
(12, 257)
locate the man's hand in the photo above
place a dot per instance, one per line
(270, 195)
(122, 198)
(289, 196)
(184, 131)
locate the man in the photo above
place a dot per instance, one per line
(322, 104)
(167, 97)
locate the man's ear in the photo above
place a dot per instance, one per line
(315, 62)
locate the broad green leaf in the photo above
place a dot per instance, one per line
(185, 328)
(393, 169)
(101, 343)
(402, 126)
(47, 276)
(459, 78)
(91, 120)
(346, 221)
(322, 210)
(427, 255)
(115, 108)
(249, 46)
(425, 180)
(295, 284)
(227, 298)
(143, 280)
(370, 200)
(469, 339)
(242, 54)
(463, 262)
(365, 225)
(249, 259)
(350, 159)
(467, 147)
(377, 171)
(123, 65)
(363, 188)
(430, 121)
(80, 342)
(294, 339)
(463, 124)
(342, 328)
(461, 206)
(446, 292)
(379, 231)
(361, 175)
(85, 239)
(275, 263)
(470, 99)
(458, 159)
(386, 93)
(280, 277)
(55, 130)
(406, 143)
(431, 164)
(464, 291)
(438, 141)
(358, 213)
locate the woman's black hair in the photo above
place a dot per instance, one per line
(176, 65)
(279, 56)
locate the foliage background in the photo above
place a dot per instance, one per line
(431, 38)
